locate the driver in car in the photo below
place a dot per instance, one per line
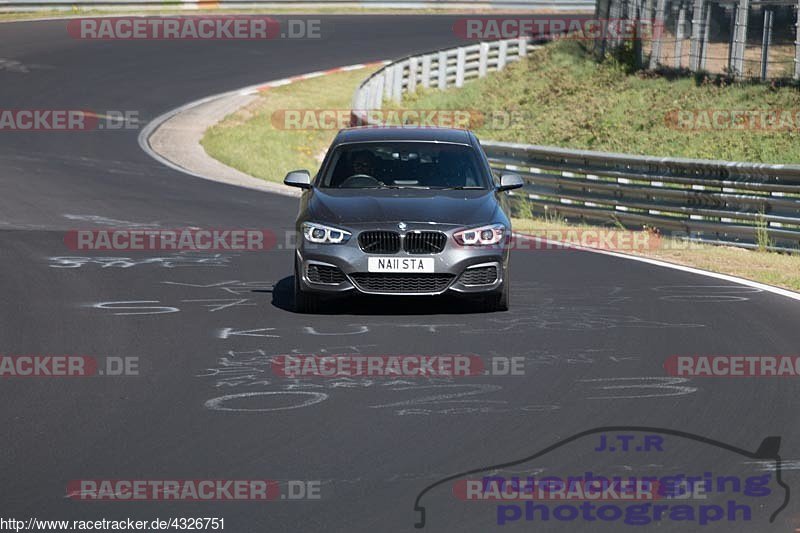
(364, 164)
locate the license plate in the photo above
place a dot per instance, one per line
(400, 264)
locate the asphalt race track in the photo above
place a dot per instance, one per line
(594, 330)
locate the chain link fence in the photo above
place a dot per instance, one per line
(744, 39)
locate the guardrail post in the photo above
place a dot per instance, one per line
(397, 82)
(658, 25)
(377, 101)
(411, 86)
(355, 108)
(388, 72)
(442, 70)
(483, 59)
(461, 62)
(679, 35)
(698, 32)
(766, 41)
(739, 39)
(426, 71)
(502, 53)
(523, 46)
(366, 97)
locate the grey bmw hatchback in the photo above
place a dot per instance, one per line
(403, 211)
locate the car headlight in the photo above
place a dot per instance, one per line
(483, 236)
(319, 234)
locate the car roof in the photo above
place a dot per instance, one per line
(402, 133)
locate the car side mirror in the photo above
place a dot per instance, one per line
(510, 181)
(298, 178)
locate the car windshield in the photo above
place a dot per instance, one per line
(402, 165)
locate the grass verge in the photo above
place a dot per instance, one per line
(251, 141)
(567, 99)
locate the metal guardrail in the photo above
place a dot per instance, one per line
(441, 69)
(741, 204)
(704, 200)
(523, 5)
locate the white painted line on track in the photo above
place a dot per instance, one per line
(657, 262)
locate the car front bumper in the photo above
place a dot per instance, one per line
(452, 262)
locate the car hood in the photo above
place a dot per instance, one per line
(462, 208)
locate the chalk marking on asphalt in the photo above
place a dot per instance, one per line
(225, 333)
(707, 298)
(446, 398)
(217, 404)
(175, 261)
(311, 330)
(224, 303)
(157, 310)
(106, 221)
(672, 384)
